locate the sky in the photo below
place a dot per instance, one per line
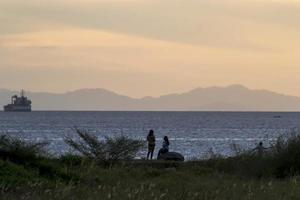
(149, 47)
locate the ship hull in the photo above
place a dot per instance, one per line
(12, 108)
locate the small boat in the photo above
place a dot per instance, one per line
(18, 104)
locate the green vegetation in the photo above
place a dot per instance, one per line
(105, 152)
(27, 172)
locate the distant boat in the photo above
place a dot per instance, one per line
(18, 104)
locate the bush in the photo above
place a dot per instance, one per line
(286, 156)
(20, 151)
(106, 151)
(281, 160)
(70, 159)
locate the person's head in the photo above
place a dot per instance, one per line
(260, 144)
(151, 133)
(166, 139)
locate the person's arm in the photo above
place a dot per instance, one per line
(255, 149)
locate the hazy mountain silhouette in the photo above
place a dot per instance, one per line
(231, 98)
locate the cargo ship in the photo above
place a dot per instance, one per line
(18, 104)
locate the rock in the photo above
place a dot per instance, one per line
(174, 156)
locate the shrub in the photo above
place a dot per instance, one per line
(281, 160)
(17, 150)
(286, 156)
(106, 151)
(70, 159)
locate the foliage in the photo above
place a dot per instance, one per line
(19, 151)
(280, 160)
(186, 181)
(106, 151)
(285, 156)
(273, 175)
(22, 154)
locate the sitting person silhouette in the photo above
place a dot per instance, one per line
(165, 147)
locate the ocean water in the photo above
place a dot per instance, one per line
(194, 134)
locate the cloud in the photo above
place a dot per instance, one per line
(160, 46)
(222, 24)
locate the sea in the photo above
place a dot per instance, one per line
(196, 135)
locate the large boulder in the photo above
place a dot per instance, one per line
(173, 156)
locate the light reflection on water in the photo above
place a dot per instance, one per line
(191, 133)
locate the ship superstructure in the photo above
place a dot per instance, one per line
(18, 104)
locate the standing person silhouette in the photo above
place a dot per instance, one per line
(165, 147)
(260, 149)
(151, 144)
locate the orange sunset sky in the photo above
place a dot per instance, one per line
(149, 47)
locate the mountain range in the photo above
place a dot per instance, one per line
(230, 98)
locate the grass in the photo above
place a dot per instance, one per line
(274, 175)
(186, 182)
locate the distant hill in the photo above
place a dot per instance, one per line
(231, 98)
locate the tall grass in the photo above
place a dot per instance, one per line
(32, 156)
(280, 160)
(285, 156)
(248, 175)
(20, 151)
